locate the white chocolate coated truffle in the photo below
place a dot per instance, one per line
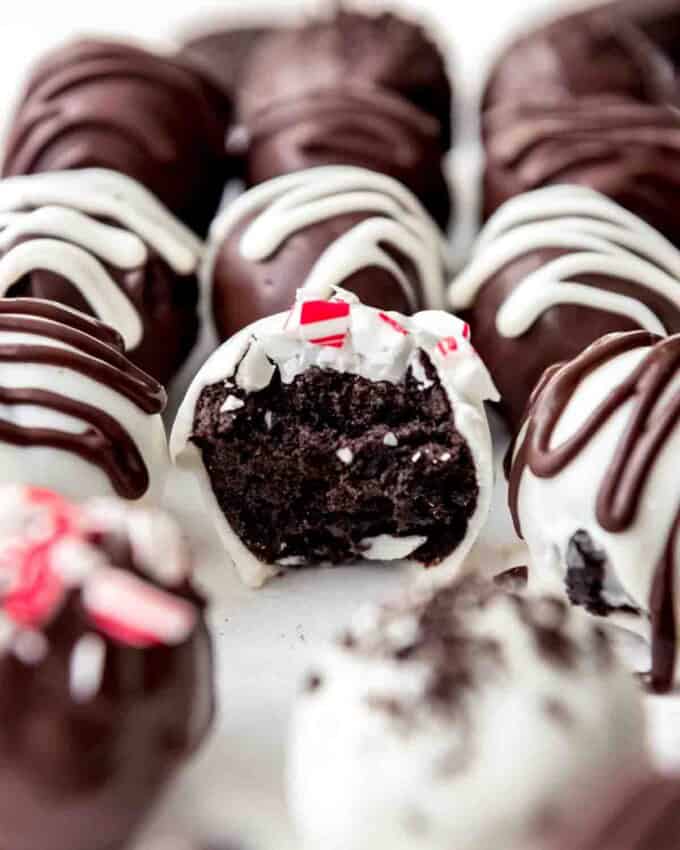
(467, 719)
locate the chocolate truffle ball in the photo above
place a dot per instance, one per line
(111, 105)
(587, 54)
(352, 125)
(626, 150)
(359, 434)
(553, 271)
(594, 487)
(645, 817)
(78, 417)
(97, 241)
(384, 51)
(470, 719)
(105, 669)
(335, 225)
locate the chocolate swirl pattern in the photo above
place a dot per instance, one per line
(619, 400)
(99, 241)
(112, 105)
(629, 151)
(354, 125)
(75, 414)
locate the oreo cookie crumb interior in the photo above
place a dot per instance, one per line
(307, 471)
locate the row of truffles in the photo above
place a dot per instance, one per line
(357, 431)
(573, 296)
(470, 719)
(105, 668)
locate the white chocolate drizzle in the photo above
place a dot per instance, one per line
(286, 205)
(601, 238)
(49, 222)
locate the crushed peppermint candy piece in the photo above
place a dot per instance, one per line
(135, 612)
(345, 455)
(325, 323)
(50, 547)
(231, 404)
(390, 439)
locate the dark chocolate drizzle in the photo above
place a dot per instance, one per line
(95, 354)
(105, 443)
(42, 123)
(662, 613)
(392, 128)
(633, 458)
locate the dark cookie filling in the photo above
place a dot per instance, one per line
(586, 572)
(304, 472)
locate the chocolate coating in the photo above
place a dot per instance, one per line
(221, 55)
(626, 150)
(384, 51)
(82, 774)
(112, 105)
(244, 291)
(560, 333)
(646, 817)
(581, 55)
(362, 126)
(658, 19)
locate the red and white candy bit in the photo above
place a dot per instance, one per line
(32, 592)
(325, 322)
(451, 344)
(447, 345)
(135, 612)
(38, 528)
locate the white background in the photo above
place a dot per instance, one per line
(264, 639)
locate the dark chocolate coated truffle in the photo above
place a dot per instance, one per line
(385, 51)
(646, 817)
(106, 675)
(363, 126)
(98, 242)
(341, 225)
(112, 105)
(555, 270)
(596, 52)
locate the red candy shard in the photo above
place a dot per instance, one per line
(447, 345)
(393, 323)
